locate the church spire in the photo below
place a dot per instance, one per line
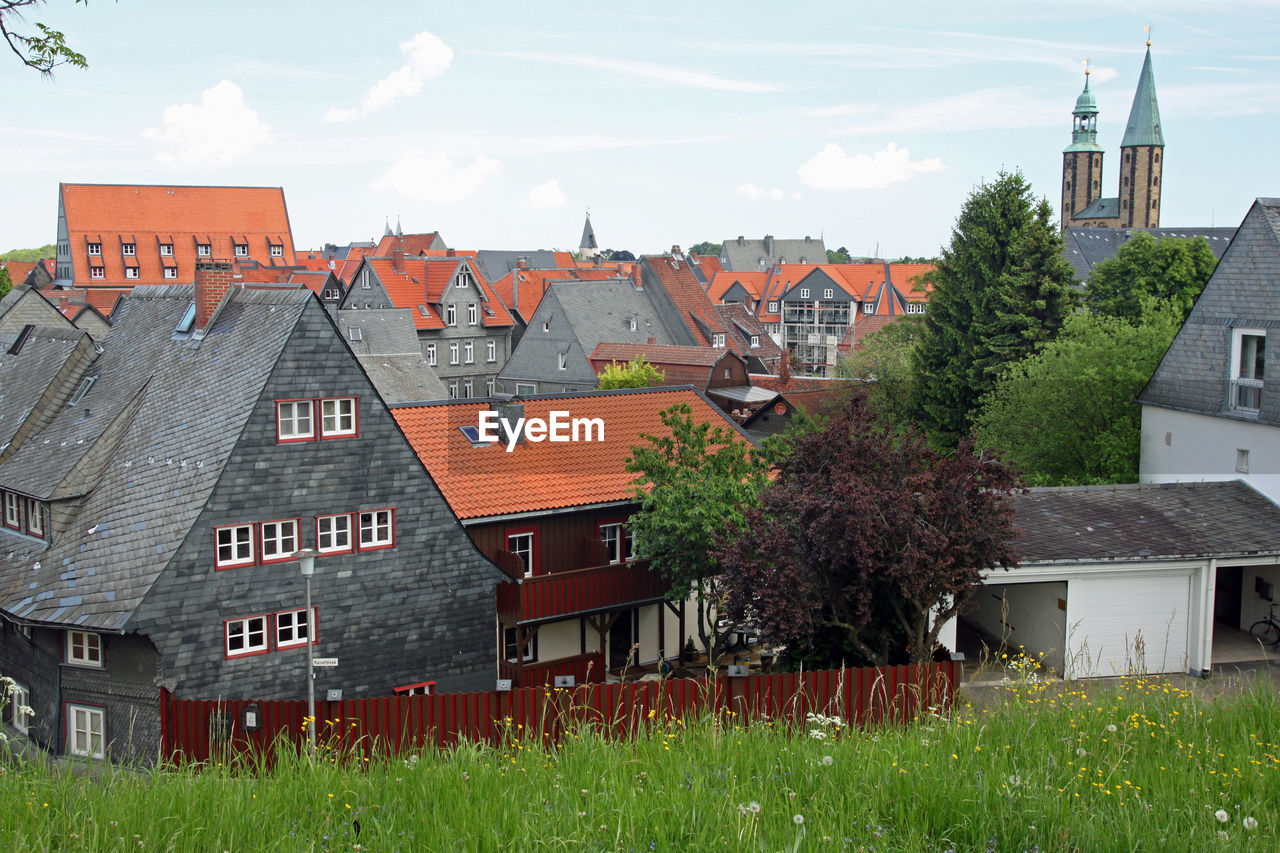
(1084, 131)
(1144, 116)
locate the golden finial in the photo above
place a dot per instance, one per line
(1148, 29)
(1086, 68)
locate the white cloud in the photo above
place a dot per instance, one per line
(428, 57)
(432, 176)
(755, 193)
(546, 195)
(220, 129)
(832, 169)
(648, 70)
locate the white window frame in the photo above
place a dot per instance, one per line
(95, 250)
(130, 272)
(97, 272)
(86, 731)
(277, 250)
(1238, 381)
(525, 389)
(335, 530)
(491, 386)
(829, 293)
(244, 632)
(473, 315)
(279, 540)
(12, 510)
(491, 350)
(453, 352)
(35, 518)
(18, 699)
(463, 280)
(129, 250)
(717, 341)
(617, 539)
(868, 307)
(295, 420)
(241, 250)
(166, 250)
(510, 641)
(755, 341)
(171, 272)
(377, 529)
(203, 250)
(468, 353)
(296, 626)
(773, 307)
(84, 648)
(562, 360)
(451, 314)
(453, 389)
(804, 293)
(236, 538)
(431, 355)
(338, 417)
(531, 558)
(468, 389)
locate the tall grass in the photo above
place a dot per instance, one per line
(1136, 765)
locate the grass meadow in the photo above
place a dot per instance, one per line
(1137, 764)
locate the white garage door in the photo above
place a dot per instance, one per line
(1120, 625)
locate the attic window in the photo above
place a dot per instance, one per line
(128, 249)
(95, 249)
(277, 251)
(171, 272)
(85, 385)
(188, 318)
(97, 272)
(130, 272)
(166, 250)
(356, 334)
(204, 250)
(755, 340)
(773, 307)
(633, 324)
(828, 293)
(868, 307)
(242, 250)
(422, 309)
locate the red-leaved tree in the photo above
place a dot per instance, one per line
(871, 534)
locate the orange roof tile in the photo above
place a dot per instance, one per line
(723, 281)
(481, 481)
(534, 283)
(694, 307)
(18, 270)
(410, 244)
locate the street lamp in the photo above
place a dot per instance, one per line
(307, 564)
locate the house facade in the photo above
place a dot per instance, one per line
(160, 485)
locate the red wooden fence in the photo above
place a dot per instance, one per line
(201, 730)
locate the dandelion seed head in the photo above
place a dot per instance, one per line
(798, 819)
(1221, 815)
(1250, 823)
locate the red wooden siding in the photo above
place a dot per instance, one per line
(190, 729)
(582, 591)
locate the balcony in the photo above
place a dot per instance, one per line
(579, 591)
(1246, 396)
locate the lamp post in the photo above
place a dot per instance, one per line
(307, 564)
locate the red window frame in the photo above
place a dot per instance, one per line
(282, 557)
(297, 438)
(355, 418)
(86, 661)
(38, 514)
(507, 533)
(313, 629)
(267, 621)
(391, 520)
(218, 564)
(351, 535)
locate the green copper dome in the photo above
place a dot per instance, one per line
(1086, 104)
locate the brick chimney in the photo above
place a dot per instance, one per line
(214, 280)
(522, 263)
(397, 259)
(784, 369)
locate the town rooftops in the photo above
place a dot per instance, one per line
(484, 480)
(1085, 248)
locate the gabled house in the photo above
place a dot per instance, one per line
(743, 255)
(702, 367)
(553, 515)
(521, 289)
(1212, 408)
(125, 235)
(748, 337)
(37, 274)
(157, 487)
(678, 295)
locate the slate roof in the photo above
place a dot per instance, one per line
(588, 240)
(742, 325)
(1243, 292)
(1145, 521)
(182, 405)
(1085, 248)
(485, 480)
(25, 376)
(1100, 208)
(743, 255)
(386, 345)
(494, 264)
(521, 290)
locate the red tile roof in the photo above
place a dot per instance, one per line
(421, 282)
(695, 309)
(679, 365)
(534, 283)
(752, 282)
(410, 244)
(18, 270)
(486, 480)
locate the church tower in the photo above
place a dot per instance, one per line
(1141, 157)
(1082, 159)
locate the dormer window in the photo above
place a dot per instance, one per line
(755, 341)
(97, 272)
(277, 250)
(463, 280)
(1248, 357)
(717, 340)
(129, 250)
(203, 250)
(166, 250)
(242, 250)
(95, 249)
(130, 272)
(868, 307)
(171, 272)
(773, 307)
(829, 293)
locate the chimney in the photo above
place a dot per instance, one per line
(675, 250)
(450, 253)
(740, 241)
(768, 245)
(522, 263)
(784, 369)
(213, 281)
(397, 259)
(509, 414)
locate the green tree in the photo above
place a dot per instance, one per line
(6, 282)
(636, 373)
(39, 47)
(1172, 269)
(706, 247)
(1067, 415)
(29, 254)
(1000, 291)
(693, 485)
(884, 360)
(838, 256)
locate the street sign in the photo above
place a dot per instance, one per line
(324, 661)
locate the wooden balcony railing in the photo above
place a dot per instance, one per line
(586, 669)
(579, 591)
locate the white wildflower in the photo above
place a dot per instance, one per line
(798, 819)
(827, 761)
(1250, 823)
(1221, 815)
(1111, 727)
(753, 807)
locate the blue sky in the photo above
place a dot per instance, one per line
(499, 124)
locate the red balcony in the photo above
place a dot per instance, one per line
(578, 591)
(586, 669)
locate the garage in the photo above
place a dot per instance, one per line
(1125, 624)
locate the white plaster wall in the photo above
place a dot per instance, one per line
(1253, 606)
(1185, 447)
(1035, 620)
(562, 640)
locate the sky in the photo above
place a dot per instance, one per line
(501, 124)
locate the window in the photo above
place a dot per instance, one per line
(804, 293)
(166, 250)
(292, 629)
(1248, 355)
(377, 529)
(717, 340)
(467, 389)
(337, 417)
(453, 389)
(468, 353)
(562, 360)
(526, 388)
(20, 712)
(279, 540)
(546, 327)
(451, 315)
(453, 353)
(511, 645)
(463, 280)
(130, 272)
(755, 340)
(828, 293)
(97, 272)
(35, 518)
(1242, 461)
(490, 386)
(246, 636)
(473, 316)
(333, 534)
(84, 648)
(632, 324)
(233, 546)
(242, 250)
(86, 731)
(294, 421)
(95, 249)
(170, 272)
(523, 543)
(129, 250)
(617, 541)
(490, 350)
(868, 307)
(277, 251)
(431, 354)
(12, 511)
(203, 250)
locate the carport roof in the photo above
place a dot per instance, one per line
(1145, 521)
